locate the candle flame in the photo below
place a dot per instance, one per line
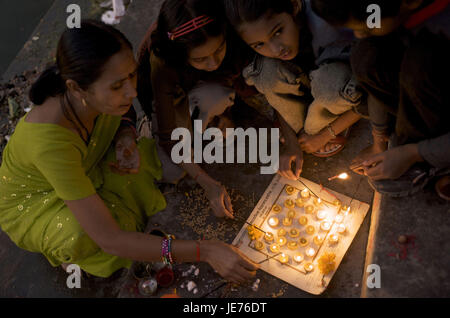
(342, 176)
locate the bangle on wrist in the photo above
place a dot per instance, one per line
(331, 131)
(166, 249)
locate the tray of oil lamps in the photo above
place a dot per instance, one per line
(299, 232)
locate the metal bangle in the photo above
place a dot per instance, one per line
(331, 131)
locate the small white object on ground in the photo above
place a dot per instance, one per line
(113, 16)
(256, 285)
(191, 285)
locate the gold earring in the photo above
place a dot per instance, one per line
(83, 102)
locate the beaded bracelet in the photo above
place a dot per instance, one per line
(166, 249)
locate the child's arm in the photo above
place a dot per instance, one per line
(290, 153)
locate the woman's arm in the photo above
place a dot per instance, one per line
(98, 223)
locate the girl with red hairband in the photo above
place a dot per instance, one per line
(190, 67)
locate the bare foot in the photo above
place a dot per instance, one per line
(329, 147)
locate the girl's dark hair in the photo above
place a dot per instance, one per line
(241, 11)
(81, 56)
(173, 14)
(340, 12)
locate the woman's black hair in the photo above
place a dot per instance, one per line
(241, 11)
(175, 13)
(340, 12)
(81, 56)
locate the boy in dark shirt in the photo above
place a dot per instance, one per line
(403, 64)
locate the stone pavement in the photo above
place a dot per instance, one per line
(418, 269)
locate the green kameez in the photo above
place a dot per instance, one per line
(46, 164)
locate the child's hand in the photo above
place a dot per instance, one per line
(393, 163)
(289, 155)
(220, 200)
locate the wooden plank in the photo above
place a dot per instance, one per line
(294, 273)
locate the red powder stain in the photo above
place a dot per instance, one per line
(406, 249)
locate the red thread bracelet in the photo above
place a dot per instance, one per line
(198, 251)
(196, 177)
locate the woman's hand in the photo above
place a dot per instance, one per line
(219, 199)
(313, 143)
(127, 155)
(228, 261)
(289, 155)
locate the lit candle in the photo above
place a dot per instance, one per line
(281, 241)
(292, 245)
(268, 237)
(273, 221)
(287, 222)
(289, 203)
(310, 229)
(325, 226)
(298, 257)
(283, 258)
(339, 218)
(309, 209)
(310, 252)
(291, 214)
(337, 203)
(317, 202)
(299, 202)
(294, 233)
(303, 241)
(274, 248)
(305, 194)
(341, 228)
(281, 232)
(277, 208)
(321, 214)
(309, 267)
(259, 245)
(334, 238)
(290, 190)
(303, 220)
(345, 209)
(318, 239)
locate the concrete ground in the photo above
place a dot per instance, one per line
(419, 268)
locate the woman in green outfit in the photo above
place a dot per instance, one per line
(75, 185)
